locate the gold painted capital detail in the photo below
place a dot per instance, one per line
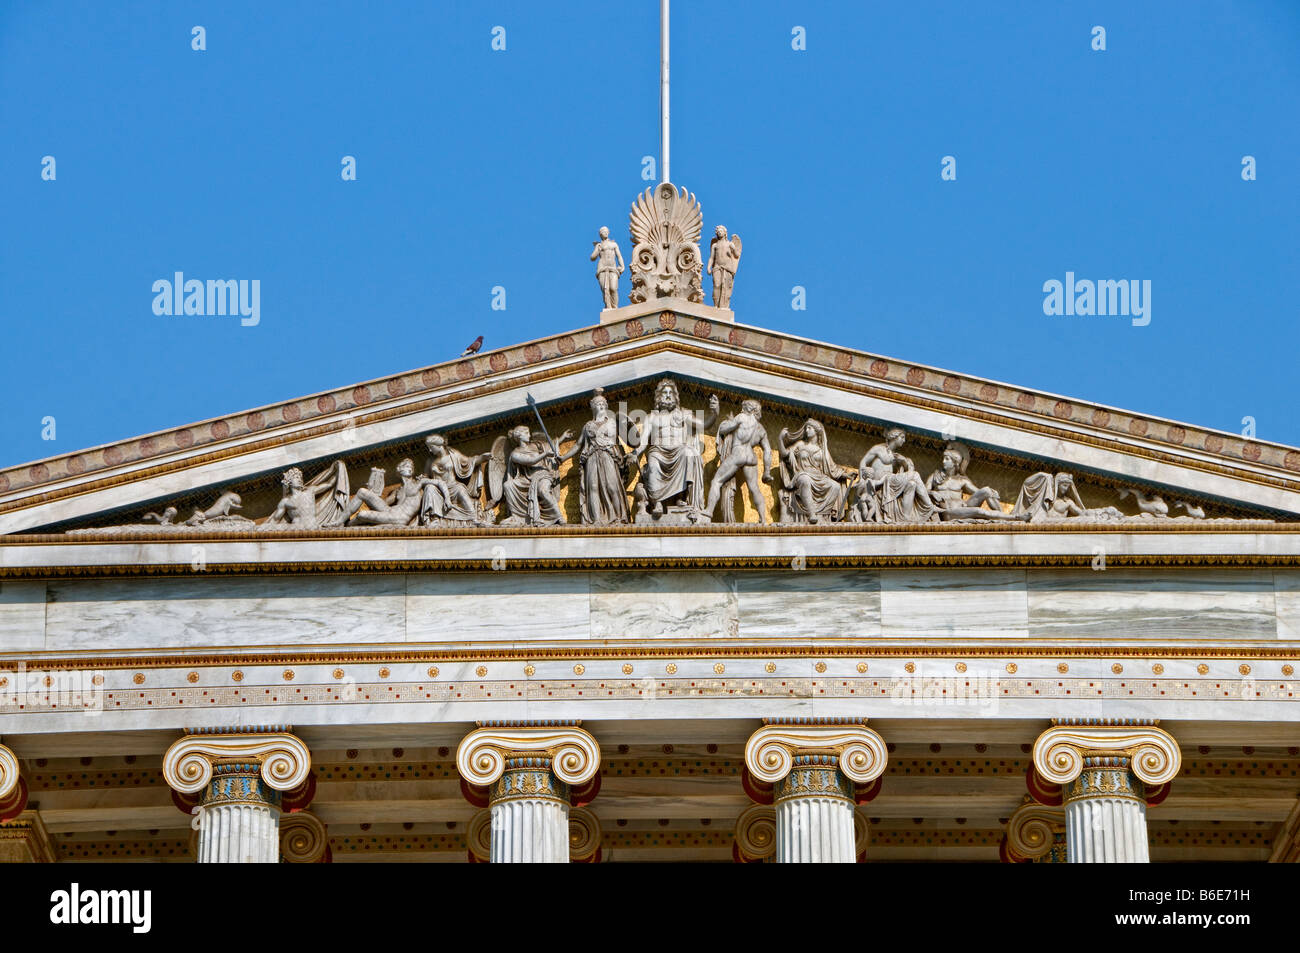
(303, 838)
(284, 760)
(584, 833)
(481, 756)
(1032, 830)
(479, 835)
(9, 772)
(1060, 751)
(770, 751)
(756, 832)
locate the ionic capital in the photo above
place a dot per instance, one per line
(479, 836)
(9, 772)
(770, 751)
(756, 833)
(481, 756)
(1033, 829)
(303, 838)
(1059, 751)
(584, 835)
(284, 760)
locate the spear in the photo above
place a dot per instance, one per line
(533, 404)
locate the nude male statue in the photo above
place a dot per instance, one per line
(737, 438)
(609, 267)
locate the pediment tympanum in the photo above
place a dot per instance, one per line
(667, 450)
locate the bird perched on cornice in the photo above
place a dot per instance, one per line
(473, 348)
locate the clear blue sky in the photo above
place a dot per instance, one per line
(478, 168)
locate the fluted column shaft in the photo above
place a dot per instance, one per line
(1106, 814)
(814, 813)
(530, 813)
(239, 820)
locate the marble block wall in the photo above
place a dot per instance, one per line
(790, 607)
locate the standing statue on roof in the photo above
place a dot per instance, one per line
(609, 265)
(724, 259)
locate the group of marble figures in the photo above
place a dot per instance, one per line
(520, 477)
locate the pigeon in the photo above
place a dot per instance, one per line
(473, 348)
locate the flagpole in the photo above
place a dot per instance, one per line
(663, 89)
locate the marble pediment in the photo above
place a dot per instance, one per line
(1009, 449)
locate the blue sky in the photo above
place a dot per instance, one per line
(478, 168)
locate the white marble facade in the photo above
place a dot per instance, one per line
(492, 608)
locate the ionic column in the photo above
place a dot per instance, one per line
(528, 770)
(1102, 765)
(241, 776)
(813, 766)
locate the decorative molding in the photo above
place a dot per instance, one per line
(481, 755)
(1247, 560)
(584, 835)
(285, 761)
(303, 838)
(770, 751)
(1060, 751)
(937, 648)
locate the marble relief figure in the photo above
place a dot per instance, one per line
(524, 473)
(890, 490)
(673, 472)
(814, 488)
(956, 496)
(602, 467)
(1045, 498)
(454, 481)
(320, 503)
(738, 437)
(400, 507)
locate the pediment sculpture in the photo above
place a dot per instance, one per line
(654, 472)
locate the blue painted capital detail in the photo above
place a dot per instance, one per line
(239, 783)
(531, 778)
(1105, 777)
(814, 775)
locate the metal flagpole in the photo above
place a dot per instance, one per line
(663, 89)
